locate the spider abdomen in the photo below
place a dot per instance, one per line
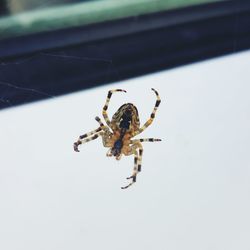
(125, 121)
(126, 117)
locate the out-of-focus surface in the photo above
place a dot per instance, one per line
(28, 16)
(14, 6)
(193, 191)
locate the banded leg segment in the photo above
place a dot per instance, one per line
(102, 126)
(105, 108)
(84, 137)
(152, 116)
(137, 162)
(106, 136)
(146, 140)
(87, 139)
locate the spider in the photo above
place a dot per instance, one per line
(118, 133)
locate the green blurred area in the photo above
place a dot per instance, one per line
(79, 14)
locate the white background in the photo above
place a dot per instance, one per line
(194, 188)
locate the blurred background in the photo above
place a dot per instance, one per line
(58, 60)
(57, 47)
(10, 7)
(14, 6)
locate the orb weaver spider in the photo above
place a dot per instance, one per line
(125, 124)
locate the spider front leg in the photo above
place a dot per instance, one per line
(137, 160)
(106, 136)
(152, 116)
(86, 138)
(102, 126)
(96, 133)
(105, 108)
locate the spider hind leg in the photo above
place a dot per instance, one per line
(137, 161)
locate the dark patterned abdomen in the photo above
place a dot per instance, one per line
(126, 117)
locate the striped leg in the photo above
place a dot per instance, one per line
(102, 126)
(137, 162)
(152, 116)
(83, 138)
(106, 136)
(79, 142)
(105, 108)
(147, 140)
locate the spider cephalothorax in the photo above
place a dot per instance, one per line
(117, 135)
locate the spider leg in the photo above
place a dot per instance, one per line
(152, 116)
(137, 161)
(82, 141)
(105, 108)
(106, 136)
(82, 138)
(138, 157)
(103, 127)
(146, 140)
(109, 154)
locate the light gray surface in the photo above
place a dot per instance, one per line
(194, 188)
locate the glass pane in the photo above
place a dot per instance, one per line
(29, 16)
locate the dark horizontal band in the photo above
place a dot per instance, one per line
(49, 64)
